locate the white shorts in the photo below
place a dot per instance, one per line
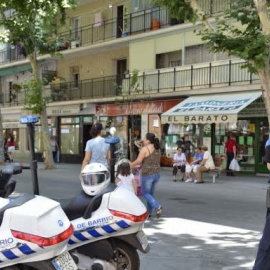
(11, 148)
(194, 167)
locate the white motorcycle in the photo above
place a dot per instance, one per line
(108, 222)
(34, 230)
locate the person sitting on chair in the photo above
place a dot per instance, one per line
(179, 162)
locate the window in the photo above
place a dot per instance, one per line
(75, 28)
(200, 54)
(75, 75)
(69, 135)
(170, 59)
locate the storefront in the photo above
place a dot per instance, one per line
(210, 119)
(134, 120)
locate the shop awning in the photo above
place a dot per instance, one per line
(216, 108)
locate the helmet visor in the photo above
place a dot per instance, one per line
(93, 179)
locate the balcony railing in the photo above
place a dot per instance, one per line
(170, 80)
(129, 24)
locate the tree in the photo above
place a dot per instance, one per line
(248, 39)
(33, 25)
(129, 95)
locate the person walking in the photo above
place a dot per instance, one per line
(54, 147)
(179, 163)
(149, 158)
(206, 165)
(11, 147)
(96, 149)
(230, 151)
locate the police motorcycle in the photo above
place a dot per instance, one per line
(34, 232)
(108, 223)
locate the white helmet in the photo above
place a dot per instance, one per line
(94, 178)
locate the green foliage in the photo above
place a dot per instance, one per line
(33, 24)
(134, 79)
(179, 9)
(34, 100)
(244, 39)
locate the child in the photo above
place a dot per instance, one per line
(125, 178)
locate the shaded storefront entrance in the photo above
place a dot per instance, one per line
(211, 119)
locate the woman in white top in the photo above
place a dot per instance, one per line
(179, 163)
(125, 178)
(206, 165)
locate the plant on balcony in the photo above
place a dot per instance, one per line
(37, 34)
(248, 39)
(16, 87)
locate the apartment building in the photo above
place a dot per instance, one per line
(106, 43)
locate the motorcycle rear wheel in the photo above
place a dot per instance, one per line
(126, 256)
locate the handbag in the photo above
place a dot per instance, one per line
(234, 166)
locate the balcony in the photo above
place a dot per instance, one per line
(130, 24)
(163, 81)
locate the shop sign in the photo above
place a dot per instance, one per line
(200, 119)
(64, 110)
(11, 125)
(211, 106)
(153, 107)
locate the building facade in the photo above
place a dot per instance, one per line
(105, 44)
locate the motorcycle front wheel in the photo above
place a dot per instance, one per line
(126, 257)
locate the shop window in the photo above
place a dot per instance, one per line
(69, 136)
(186, 136)
(244, 133)
(70, 120)
(88, 119)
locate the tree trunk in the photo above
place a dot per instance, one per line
(47, 154)
(265, 82)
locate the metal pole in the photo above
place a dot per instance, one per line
(112, 149)
(33, 162)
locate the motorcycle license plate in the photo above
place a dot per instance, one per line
(64, 262)
(141, 236)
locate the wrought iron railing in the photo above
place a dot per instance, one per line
(177, 80)
(129, 24)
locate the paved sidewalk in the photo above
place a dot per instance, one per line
(203, 227)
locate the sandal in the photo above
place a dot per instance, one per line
(158, 213)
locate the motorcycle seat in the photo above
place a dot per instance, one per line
(14, 203)
(77, 207)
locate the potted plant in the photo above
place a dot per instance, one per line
(16, 87)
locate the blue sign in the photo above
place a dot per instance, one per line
(29, 119)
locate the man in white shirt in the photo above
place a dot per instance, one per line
(206, 165)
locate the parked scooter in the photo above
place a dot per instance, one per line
(108, 222)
